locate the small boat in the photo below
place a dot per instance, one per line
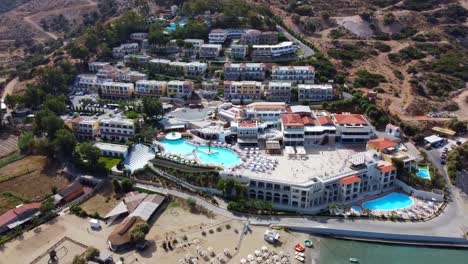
(308, 243)
(353, 260)
(299, 247)
(301, 259)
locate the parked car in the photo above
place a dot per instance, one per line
(442, 161)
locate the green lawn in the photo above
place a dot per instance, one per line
(300, 52)
(110, 162)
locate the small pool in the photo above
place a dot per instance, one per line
(423, 172)
(220, 156)
(172, 26)
(357, 208)
(392, 201)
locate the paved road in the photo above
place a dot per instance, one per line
(307, 50)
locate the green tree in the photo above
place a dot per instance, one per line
(25, 140)
(116, 186)
(64, 143)
(91, 253)
(78, 260)
(88, 152)
(152, 107)
(48, 122)
(47, 206)
(56, 104)
(156, 35)
(127, 185)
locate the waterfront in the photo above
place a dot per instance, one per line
(334, 251)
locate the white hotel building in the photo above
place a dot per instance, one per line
(294, 74)
(116, 128)
(244, 71)
(282, 50)
(315, 92)
(278, 91)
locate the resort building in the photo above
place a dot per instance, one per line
(112, 150)
(116, 89)
(209, 89)
(305, 130)
(136, 59)
(390, 150)
(114, 74)
(247, 133)
(179, 89)
(96, 66)
(84, 129)
(150, 88)
(217, 36)
(244, 71)
(294, 74)
(86, 81)
(125, 49)
(238, 51)
(278, 91)
(266, 112)
(281, 51)
(352, 128)
(176, 68)
(19, 215)
(116, 128)
(209, 50)
(139, 36)
(196, 43)
(315, 92)
(256, 37)
(243, 91)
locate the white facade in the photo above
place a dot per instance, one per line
(196, 43)
(217, 36)
(179, 89)
(139, 36)
(278, 91)
(210, 50)
(116, 128)
(96, 66)
(246, 91)
(112, 150)
(244, 71)
(285, 49)
(315, 92)
(125, 49)
(150, 87)
(188, 69)
(295, 74)
(238, 51)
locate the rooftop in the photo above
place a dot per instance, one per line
(111, 147)
(382, 143)
(349, 119)
(350, 179)
(323, 163)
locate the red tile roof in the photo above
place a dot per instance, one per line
(291, 120)
(387, 168)
(324, 120)
(350, 119)
(77, 120)
(382, 143)
(307, 120)
(10, 215)
(269, 106)
(247, 124)
(350, 180)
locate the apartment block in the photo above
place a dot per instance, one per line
(256, 37)
(115, 129)
(244, 71)
(125, 49)
(179, 89)
(150, 88)
(278, 91)
(281, 51)
(245, 91)
(315, 92)
(116, 89)
(293, 74)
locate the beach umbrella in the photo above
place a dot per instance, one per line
(265, 255)
(194, 261)
(181, 261)
(259, 259)
(268, 261)
(198, 248)
(285, 260)
(226, 251)
(275, 257)
(281, 253)
(243, 261)
(257, 253)
(250, 257)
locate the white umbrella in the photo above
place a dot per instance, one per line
(281, 253)
(259, 259)
(268, 261)
(250, 257)
(226, 251)
(257, 253)
(265, 255)
(181, 261)
(210, 249)
(275, 257)
(243, 261)
(285, 260)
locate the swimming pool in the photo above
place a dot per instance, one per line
(356, 208)
(392, 201)
(423, 172)
(172, 26)
(220, 156)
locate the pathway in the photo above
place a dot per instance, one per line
(307, 50)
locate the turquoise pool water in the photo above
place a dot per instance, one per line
(392, 201)
(423, 172)
(172, 26)
(356, 208)
(223, 157)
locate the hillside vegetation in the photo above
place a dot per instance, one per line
(6, 5)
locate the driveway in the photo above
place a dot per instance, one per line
(307, 50)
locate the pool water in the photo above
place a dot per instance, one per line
(222, 156)
(357, 208)
(172, 26)
(392, 201)
(423, 172)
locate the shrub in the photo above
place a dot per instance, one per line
(228, 226)
(211, 231)
(91, 253)
(219, 229)
(367, 79)
(203, 233)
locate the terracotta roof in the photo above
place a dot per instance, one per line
(307, 120)
(324, 120)
(392, 126)
(382, 143)
(269, 106)
(350, 180)
(11, 215)
(291, 120)
(72, 191)
(387, 168)
(350, 119)
(77, 120)
(247, 124)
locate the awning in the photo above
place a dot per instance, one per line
(171, 126)
(247, 140)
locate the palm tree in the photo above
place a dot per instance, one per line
(209, 146)
(367, 211)
(333, 208)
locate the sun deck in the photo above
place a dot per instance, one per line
(320, 162)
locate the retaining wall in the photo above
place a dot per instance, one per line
(420, 194)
